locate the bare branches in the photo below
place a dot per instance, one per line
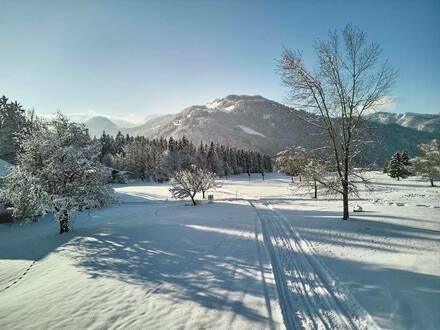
(349, 82)
(187, 183)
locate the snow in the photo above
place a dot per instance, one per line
(250, 131)
(263, 255)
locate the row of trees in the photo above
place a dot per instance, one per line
(427, 164)
(159, 159)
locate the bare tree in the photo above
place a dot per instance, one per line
(187, 183)
(348, 82)
(314, 173)
(208, 181)
(291, 161)
(428, 163)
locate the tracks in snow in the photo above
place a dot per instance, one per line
(18, 279)
(310, 295)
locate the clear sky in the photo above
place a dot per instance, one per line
(145, 57)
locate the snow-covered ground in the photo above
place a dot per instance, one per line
(153, 262)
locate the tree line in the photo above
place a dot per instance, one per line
(159, 159)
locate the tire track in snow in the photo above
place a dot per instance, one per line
(310, 295)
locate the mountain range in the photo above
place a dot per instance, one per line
(254, 122)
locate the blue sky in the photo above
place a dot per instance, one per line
(142, 57)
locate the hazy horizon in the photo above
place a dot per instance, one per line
(133, 59)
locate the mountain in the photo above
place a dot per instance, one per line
(243, 121)
(98, 124)
(420, 122)
(254, 122)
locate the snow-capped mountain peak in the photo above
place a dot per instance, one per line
(230, 102)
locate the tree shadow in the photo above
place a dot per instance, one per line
(166, 248)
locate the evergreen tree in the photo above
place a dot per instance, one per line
(12, 125)
(212, 158)
(405, 158)
(119, 143)
(396, 168)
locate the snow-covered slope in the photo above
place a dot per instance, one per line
(254, 122)
(418, 121)
(264, 255)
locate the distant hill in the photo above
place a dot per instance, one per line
(254, 122)
(418, 121)
(97, 125)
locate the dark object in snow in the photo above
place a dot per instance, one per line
(116, 176)
(64, 222)
(358, 208)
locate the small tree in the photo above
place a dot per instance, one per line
(58, 171)
(427, 164)
(292, 161)
(187, 183)
(396, 167)
(314, 173)
(208, 181)
(386, 166)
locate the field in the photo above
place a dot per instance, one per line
(263, 255)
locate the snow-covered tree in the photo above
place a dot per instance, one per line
(58, 171)
(292, 161)
(187, 183)
(208, 181)
(427, 164)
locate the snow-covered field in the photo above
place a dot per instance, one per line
(263, 255)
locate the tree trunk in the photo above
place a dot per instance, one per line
(346, 214)
(203, 194)
(316, 191)
(64, 222)
(432, 182)
(292, 179)
(193, 200)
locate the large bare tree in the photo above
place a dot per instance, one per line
(349, 81)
